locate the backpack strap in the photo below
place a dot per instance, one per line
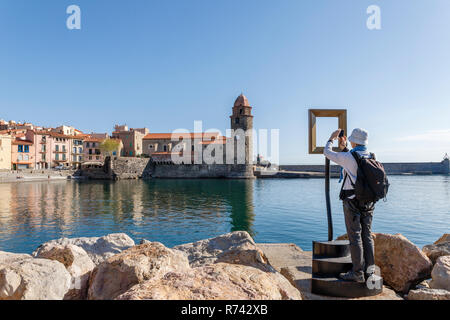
(356, 156)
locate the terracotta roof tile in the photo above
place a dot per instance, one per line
(168, 136)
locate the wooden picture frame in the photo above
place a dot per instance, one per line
(341, 114)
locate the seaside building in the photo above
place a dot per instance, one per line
(56, 148)
(92, 151)
(5, 152)
(161, 146)
(22, 153)
(131, 140)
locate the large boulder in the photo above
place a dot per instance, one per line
(429, 294)
(98, 248)
(219, 281)
(135, 265)
(24, 278)
(434, 251)
(402, 264)
(441, 274)
(234, 248)
(76, 261)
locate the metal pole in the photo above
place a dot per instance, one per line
(327, 198)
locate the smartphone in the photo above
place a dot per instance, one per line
(341, 134)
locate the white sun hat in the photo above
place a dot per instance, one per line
(359, 136)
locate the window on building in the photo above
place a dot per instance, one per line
(97, 151)
(97, 158)
(64, 156)
(26, 157)
(64, 148)
(57, 148)
(57, 156)
(150, 146)
(88, 145)
(90, 151)
(19, 157)
(240, 111)
(27, 148)
(20, 148)
(192, 147)
(80, 150)
(236, 120)
(90, 157)
(74, 149)
(165, 148)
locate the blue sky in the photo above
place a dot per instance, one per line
(164, 64)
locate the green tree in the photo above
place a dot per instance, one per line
(109, 146)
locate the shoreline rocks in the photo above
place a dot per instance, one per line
(436, 250)
(220, 281)
(234, 248)
(428, 294)
(98, 248)
(23, 277)
(77, 263)
(135, 265)
(441, 274)
(228, 267)
(403, 265)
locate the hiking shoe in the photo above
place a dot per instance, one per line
(351, 276)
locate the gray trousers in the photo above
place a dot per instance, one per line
(358, 221)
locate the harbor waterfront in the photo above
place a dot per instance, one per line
(181, 211)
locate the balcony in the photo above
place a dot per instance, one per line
(60, 151)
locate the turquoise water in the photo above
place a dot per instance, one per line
(180, 211)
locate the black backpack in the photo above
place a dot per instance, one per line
(371, 181)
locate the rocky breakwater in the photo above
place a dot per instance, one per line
(113, 267)
(414, 273)
(438, 287)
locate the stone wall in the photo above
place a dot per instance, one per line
(195, 171)
(141, 168)
(391, 168)
(131, 168)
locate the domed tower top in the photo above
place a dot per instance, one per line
(241, 101)
(242, 114)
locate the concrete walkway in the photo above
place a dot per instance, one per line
(296, 265)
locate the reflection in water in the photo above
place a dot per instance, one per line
(181, 211)
(169, 211)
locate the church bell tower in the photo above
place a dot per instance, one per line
(242, 118)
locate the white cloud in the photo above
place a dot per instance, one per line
(429, 136)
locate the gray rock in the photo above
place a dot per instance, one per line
(441, 274)
(235, 248)
(429, 294)
(434, 251)
(98, 248)
(76, 261)
(25, 278)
